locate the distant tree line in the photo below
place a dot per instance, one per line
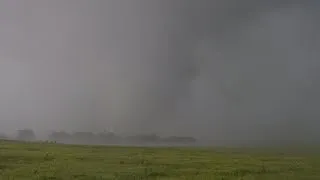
(22, 135)
(101, 138)
(112, 138)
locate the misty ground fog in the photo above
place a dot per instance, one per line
(222, 70)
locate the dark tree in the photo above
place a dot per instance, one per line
(144, 138)
(3, 136)
(26, 135)
(60, 136)
(108, 137)
(176, 139)
(84, 137)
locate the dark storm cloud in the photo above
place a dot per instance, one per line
(228, 71)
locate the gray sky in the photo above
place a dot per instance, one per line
(217, 69)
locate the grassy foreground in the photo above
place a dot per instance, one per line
(21, 161)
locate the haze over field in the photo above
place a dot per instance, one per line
(222, 70)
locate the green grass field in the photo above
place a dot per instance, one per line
(20, 161)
